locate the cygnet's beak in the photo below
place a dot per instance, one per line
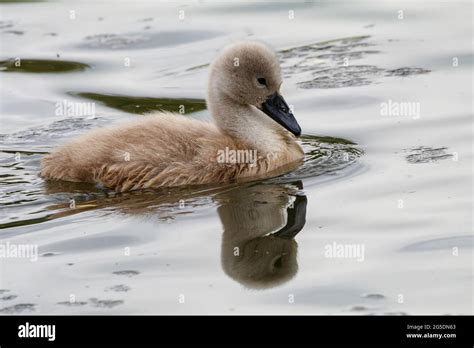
(275, 107)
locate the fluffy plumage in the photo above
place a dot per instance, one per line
(165, 149)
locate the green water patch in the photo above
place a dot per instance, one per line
(41, 66)
(25, 222)
(142, 105)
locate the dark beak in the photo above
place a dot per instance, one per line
(277, 108)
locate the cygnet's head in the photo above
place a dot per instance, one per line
(248, 74)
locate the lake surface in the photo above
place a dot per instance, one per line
(378, 220)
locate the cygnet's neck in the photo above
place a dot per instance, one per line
(249, 125)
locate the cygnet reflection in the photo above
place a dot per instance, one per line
(260, 223)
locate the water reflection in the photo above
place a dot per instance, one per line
(142, 105)
(41, 66)
(260, 223)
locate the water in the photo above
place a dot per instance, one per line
(398, 184)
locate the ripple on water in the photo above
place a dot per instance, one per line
(20, 190)
(354, 76)
(6, 24)
(95, 302)
(127, 41)
(407, 71)
(119, 288)
(300, 59)
(324, 156)
(50, 254)
(128, 273)
(18, 308)
(374, 296)
(425, 154)
(345, 76)
(359, 309)
(14, 32)
(329, 64)
(326, 54)
(464, 241)
(72, 304)
(8, 297)
(37, 140)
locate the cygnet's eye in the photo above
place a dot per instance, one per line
(262, 81)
